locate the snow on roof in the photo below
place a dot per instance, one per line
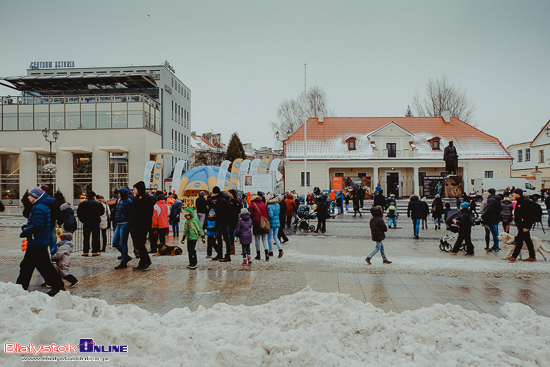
(327, 140)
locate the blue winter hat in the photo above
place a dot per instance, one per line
(37, 192)
(464, 205)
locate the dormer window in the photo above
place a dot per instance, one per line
(351, 143)
(435, 143)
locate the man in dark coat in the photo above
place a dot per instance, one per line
(491, 218)
(38, 233)
(464, 223)
(414, 211)
(450, 157)
(524, 219)
(380, 199)
(323, 212)
(141, 220)
(361, 196)
(235, 207)
(220, 203)
(89, 213)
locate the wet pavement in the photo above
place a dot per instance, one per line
(420, 275)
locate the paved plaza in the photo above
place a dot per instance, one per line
(419, 276)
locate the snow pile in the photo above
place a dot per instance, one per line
(305, 329)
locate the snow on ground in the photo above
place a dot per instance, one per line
(303, 329)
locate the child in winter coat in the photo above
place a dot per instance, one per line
(244, 232)
(192, 230)
(464, 223)
(62, 258)
(392, 214)
(377, 229)
(211, 232)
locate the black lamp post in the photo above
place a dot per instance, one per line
(50, 167)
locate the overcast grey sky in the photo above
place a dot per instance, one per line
(241, 59)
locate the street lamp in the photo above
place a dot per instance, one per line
(50, 167)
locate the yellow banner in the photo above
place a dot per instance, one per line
(264, 165)
(235, 169)
(157, 174)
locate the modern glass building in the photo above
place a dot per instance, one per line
(110, 121)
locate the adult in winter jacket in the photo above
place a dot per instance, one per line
(414, 211)
(380, 199)
(464, 223)
(323, 213)
(175, 210)
(141, 220)
(38, 234)
(290, 209)
(273, 210)
(437, 211)
(356, 203)
(89, 213)
(122, 230)
(235, 207)
(192, 231)
(105, 221)
(202, 207)
(220, 201)
(159, 223)
(506, 213)
(281, 235)
(378, 229)
(490, 219)
(524, 219)
(425, 211)
(257, 211)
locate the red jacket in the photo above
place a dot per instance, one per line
(257, 210)
(290, 205)
(160, 220)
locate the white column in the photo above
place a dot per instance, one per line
(465, 180)
(375, 178)
(64, 162)
(416, 182)
(100, 172)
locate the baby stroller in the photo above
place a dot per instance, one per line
(304, 216)
(446, 243)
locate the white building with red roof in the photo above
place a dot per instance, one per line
(397, 152)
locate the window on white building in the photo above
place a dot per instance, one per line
(527, 154)
(488, 174)
(339, 174)
(305, 177)
(520, 155)
(541, 156)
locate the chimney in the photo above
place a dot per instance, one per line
(446, 116)
(321, 117)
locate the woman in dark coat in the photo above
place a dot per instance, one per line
(414, 211)
(437, 211)
(323, 212)
(378, 229)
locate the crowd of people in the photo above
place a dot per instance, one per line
(220, 217)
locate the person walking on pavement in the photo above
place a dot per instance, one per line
(356, 202)
(159, 223)
(89, 212)
(141, 220)
(524, 219)
(257, 211)
(122, 230)
(175, 210)
(437, 211)
(290, 209)
(38, 233)
(202, 207)
(378, 229)
(490, 219)
(105, 222)
(414, 211)
(273, 209)
(281, 235)
(323, 212)
(192, 231)
(464, 223)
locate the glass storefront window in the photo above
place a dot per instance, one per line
(118, 172)
(82, 174)
(9, 179)
(42, 177)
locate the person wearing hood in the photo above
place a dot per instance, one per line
(212, 233)
(273, 209)
(220, 201)
(122, 220)
(414, 211)
(89, 212)
(437, 211)
(175, 210)
(490, 218)
(257, 211)
(202, 207)
(159, 223)
(377, 230)
(323, 213)
(141, 220)
(507, 213)
(62, 258)
(244, 232)
(37, 231)
(192, 231)
(464, 223)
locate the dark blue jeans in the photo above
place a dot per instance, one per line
(120, 239)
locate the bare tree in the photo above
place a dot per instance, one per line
(441, 96)
(292, 113)
(208, 157)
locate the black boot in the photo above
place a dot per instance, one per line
(266, 255)
(257, 255)
(122, 265)
(487, 240)
(281, 253)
